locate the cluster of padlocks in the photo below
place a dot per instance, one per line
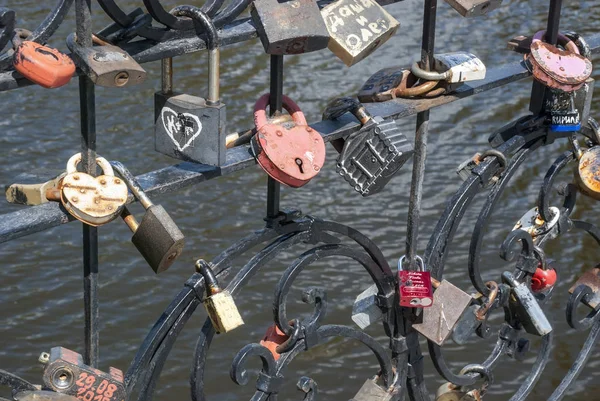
(410, 299)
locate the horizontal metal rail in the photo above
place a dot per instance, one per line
(169, 179)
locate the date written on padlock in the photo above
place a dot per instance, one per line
(357, 28)
(92, 200)
(66, 373)
(292, 153)
(414, 287)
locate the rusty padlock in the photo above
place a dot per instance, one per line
(564, 70)
(390, 83)
(273, 338)
(43, 65)
(591, 279)
(587, 172)
(92, 200)
(289, 153)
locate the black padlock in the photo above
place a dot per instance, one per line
(525, 308)
(371, 157)
(106, 65)
(190, 127)
(157, 237)
(289, 26)
(562, 113)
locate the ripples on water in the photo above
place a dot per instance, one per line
(41, 274)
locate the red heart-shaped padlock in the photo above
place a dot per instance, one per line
(291, 153)
(543, 279)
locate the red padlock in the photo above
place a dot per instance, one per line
(291, 153)
(41, 64)
(414, 287)
(272, 339)
(543, 278)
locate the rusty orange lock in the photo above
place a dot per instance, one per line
(291, 153)
(41, 64)
(272, 339)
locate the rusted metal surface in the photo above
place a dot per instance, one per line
(587, 173)
(533, 223)
(591, 279)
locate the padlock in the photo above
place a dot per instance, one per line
(474, 318)
(34, 188)
(219, 304)
(591, 279)
(92, 200)
(157, 237)
(365, 311)
(273, 338)
(544, 277)
(452, 392)
(43, 65)
(534, 225)
(414, 287)
(564, 70)
(106, 65)
(357, 28)
(587, 172)
(289, 153)
(449, 304)
(190, 127)
(42, 396)
(454, 68)
(390, 83)
(562, 113)
(371, 391)
(289, 26)
(474, 8)
(526, 309)
(372, 156)
(66, 373)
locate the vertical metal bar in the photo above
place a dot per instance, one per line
(275, 105)
(539, 92)
(87, 105)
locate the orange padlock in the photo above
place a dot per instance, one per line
(291, 153)
(41, 64)
(272, 339)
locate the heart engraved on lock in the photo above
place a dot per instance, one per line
(92, 200)
(182, 128)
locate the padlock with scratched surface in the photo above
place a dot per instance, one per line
(289, 26)
(34, 188)
(473, 320)
(587, 171)
(525, 308)
(291, 153)
(43, 65)
(219, 303)
(591, 279)
(449, 304)
(372, 156)
(92, 200)
(357, 28)
(453, 68)
(157, 237)
(66, 373)
(106, 65)
(371, 391)
(414, 286)
(474, 8)
(191, 127)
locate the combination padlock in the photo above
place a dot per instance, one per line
(92, 200)
(66, 373)
(564, 70)
(219, 304)
(105, 64)
(587, 172)
(157, 237)
(190, 127)
(370, 157)
(43, 65)
(414, 287)
(291, 153)
(273, 338)
(357, 28)
(474, 8)
(524, 308)
(289, 26)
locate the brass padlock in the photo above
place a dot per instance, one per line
(33, 188)
(357, 28)
(106, 65)
(587, 172)
(92, 200)
(219, 304)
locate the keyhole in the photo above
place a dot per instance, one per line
(299, 163)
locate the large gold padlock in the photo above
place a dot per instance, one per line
(92, 200)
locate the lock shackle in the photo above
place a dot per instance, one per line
(100, 161)
(417, 258)
(482, 311)
(212, 284)
(133, 184)
(340, 106)
(562, 40)
(212, 45)
(429, 75)
(260, 111)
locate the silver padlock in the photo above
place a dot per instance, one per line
(453, 68)
(371, 391)
(365, 311)
(474, 8)
(525, 308)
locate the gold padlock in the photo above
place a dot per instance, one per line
(92, 200)
(587, 173)
(219, 304)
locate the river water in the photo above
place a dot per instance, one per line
(41, 275)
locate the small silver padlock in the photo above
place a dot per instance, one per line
(365, 311)
(219, 304)
(92, 200)
(525, 308)
(456, 67)
(449, 304)
(357, 28)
